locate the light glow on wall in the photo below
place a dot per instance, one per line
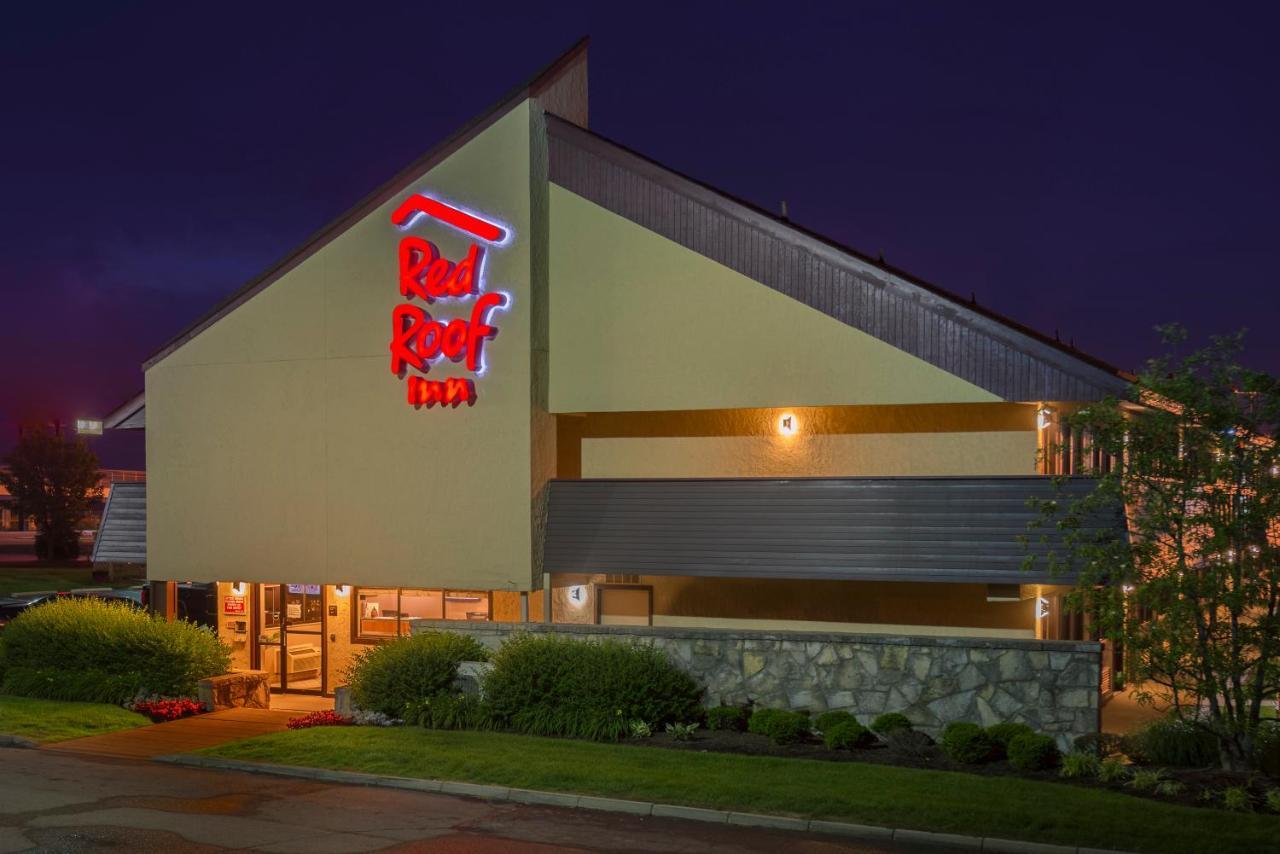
(788, 424)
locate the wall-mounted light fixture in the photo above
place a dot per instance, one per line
(89, 426)
(1042, 607)
(1044, 417)
(341, 589)
(238, 588)
(788, 424)
(578, 595)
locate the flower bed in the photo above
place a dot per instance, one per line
(327, 717)
(161, 709)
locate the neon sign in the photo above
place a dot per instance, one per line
(419, 340)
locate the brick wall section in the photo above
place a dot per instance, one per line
(1050, 685)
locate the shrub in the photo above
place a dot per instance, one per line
(1173, 742)
(909, 742)
(828, 720)
(364, 717)
(327, 717)
(1237, 799)
(1080, 764)
(682, 732)
(551, 685)
(967, 743)
(1147, 779)
(640, 729)
(846, 735)
(727, 718)
(1113, 771)
(1033, 751)
(1170, 788)
(1002, 734)
(448, 711)
(1273, 800)
(890, 721)
(781, 726)
(1266, 750)
(106, 652)
(388, 677)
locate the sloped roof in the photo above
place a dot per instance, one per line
(987, 349)
(122, 535)
(935, 529)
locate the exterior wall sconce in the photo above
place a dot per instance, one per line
(341, 589)
(788, 424)
(1042, 607)
(238, 588)
(1044, 416)
(578, 595)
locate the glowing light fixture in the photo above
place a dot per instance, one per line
(1044, 416)
(341, 589)
(578, 595)
(788, 424)
(238, 588)
(1042, 607)
(89, 426)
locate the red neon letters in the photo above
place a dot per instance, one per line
(419, 340)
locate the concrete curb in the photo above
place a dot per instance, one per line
(16, 741)
(642, 808)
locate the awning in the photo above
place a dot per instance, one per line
(944, 529)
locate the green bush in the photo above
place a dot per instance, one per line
(1002, 734)
(846, 735)
(1080, 764)
(1033, 751)
(105, 652)
(1266, 748)
(967, 743)
(781, 726)
(1237, 799)
(732, 718)
(552, 685)
(448, 711)
(1172, 742)
(828, 720)
(1113, 771)
(889, 722)
(389, 677)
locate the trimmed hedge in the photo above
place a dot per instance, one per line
(829, 720)
(391, 677)
(91, 650)
(732, 718)
(846, 735)
(967, 743)
(1002, 734)
(550, 685)
(780, 725)
(1033, 751)
(889, 722)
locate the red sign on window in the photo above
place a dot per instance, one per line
(419, 338)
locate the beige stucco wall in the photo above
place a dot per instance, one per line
(855, 455)
(641, 323)
(281, 448)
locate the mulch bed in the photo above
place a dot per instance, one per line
(932, 758)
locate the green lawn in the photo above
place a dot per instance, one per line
(871, 794)
(13, 580)
(53, 720)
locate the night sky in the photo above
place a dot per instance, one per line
(1091, 169)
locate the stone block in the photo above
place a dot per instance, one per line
(247, 689)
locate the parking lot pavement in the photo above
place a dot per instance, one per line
(52, 801)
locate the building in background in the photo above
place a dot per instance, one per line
(538, 377)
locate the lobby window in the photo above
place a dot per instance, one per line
(382, 613)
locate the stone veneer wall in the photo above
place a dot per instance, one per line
(1052, 686)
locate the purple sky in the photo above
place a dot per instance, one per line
(1096, 172)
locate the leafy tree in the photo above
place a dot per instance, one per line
(1193, 591)
(54, 480)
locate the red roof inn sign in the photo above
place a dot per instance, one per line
(419, 340)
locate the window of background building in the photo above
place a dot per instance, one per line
(382, 613)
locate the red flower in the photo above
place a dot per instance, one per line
(328, 717)
(168, 709)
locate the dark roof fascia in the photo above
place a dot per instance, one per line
(379, 196)
(125, 411)
(981, 317)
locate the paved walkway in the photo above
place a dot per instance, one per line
(58, 801)
(184, 736)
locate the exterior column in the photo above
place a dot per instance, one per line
(164, 599)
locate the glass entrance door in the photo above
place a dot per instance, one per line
(303, 651)
(290, 646)
(270, 632)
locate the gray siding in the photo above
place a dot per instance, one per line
(122, 536)
(887, 529)
(989, 351)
